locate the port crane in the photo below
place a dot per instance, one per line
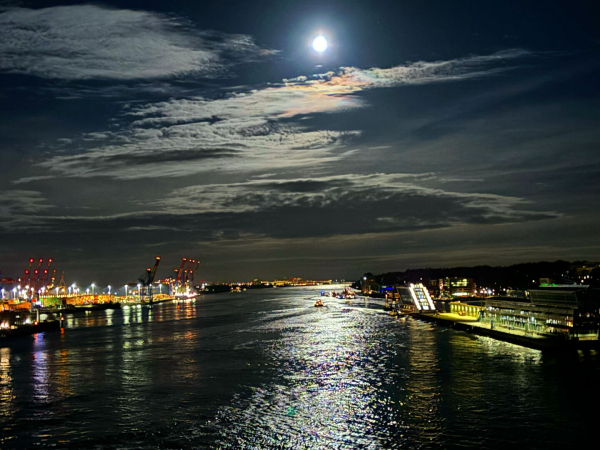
(184, 276)
(27, 275)
(62, 287)
(37, 281)
(147, 279)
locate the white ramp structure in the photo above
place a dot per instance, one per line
(421, 298)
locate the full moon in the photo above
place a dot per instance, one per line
(320, 44)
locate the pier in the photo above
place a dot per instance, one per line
(514, 336)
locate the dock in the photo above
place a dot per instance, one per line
(519, 337)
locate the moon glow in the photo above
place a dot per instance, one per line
(320, 44)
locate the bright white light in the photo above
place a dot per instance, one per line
(320, 44)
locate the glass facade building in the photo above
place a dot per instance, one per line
(572, 311)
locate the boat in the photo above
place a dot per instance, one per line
(29, 329)
(319, 303)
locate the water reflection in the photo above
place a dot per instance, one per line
(277, 373)
(62, 375)
(7, 395)
(40, 373)
(423, 390)
(329, 390)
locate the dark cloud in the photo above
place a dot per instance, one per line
(174, 155)
(355, 204)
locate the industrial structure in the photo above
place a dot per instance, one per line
(182, 283)
(146, 280)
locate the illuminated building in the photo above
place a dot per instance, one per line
(465, 309)
(570, 310)
(415, 298)
(370, 285)
(458, 287)
(435, 287)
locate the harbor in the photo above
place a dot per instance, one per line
(238, 370)
(519, 337)
(412, 301)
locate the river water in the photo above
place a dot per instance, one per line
(264, 369)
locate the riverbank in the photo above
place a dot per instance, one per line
(519, 337)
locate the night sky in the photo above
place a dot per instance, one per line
(428, 134)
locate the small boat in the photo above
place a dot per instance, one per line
(318, 303)
(29, 329)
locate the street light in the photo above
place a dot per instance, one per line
(93, 286)
(140, 292)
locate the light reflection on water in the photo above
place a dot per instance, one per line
(328, 389)
(6, 380)
(266, 370)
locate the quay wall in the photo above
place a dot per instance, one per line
(538, 343)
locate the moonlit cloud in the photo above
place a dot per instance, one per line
(391, 199)
(93, 42)
(191, 149)
(291, 208)
(355, 79)
(187, 136)
(245, 130)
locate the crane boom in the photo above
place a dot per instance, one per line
(180, 271)
(27, 276)
(153, 274)
(195, 270)
(37, 275)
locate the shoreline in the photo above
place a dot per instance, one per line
(533, 341)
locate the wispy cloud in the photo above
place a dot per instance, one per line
(190, 149)
(249, 130)
(422, 72)
(393, 200)
(20, 208)
(94, 42)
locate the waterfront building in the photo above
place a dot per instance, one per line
(466, 309)
(569, 310)
(458, 287)
(414, 298)
(435, 287)
(516, 293)
(370, 285)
